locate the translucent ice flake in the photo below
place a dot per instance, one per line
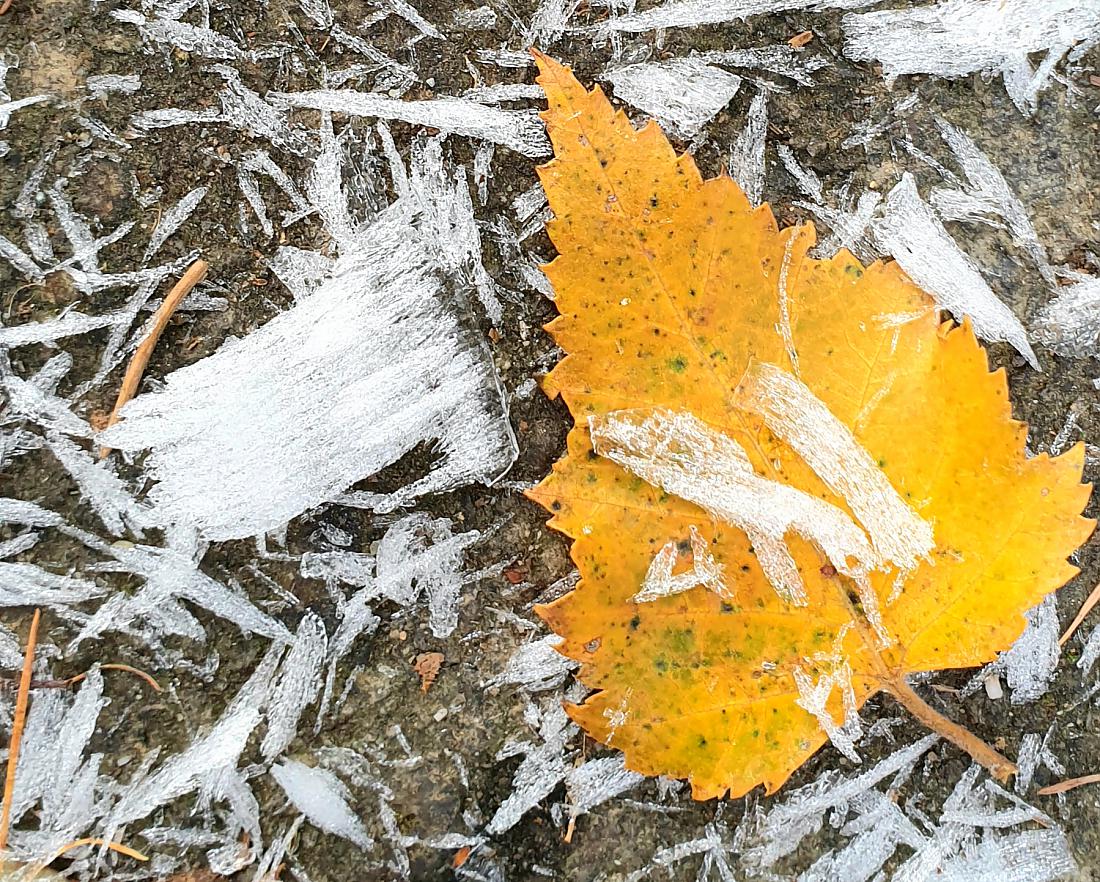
(519, 130)
(813, 697)
(299, 681)
(596, 781)
(660, 582)
(204, 764)
(536, 666)
(960, 37)
(683, 456)
(100, 85)
(68, 324)
(899, 535)
(545, 765)
(914, 236)
(683, 94)
(347, 381)
(986, 198)
(689, 13)
(173, 219)
(1070, 323)
(323, 799)
(746, 165)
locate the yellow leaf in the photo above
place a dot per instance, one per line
(736, 386)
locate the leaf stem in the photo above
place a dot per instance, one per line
(999, 767)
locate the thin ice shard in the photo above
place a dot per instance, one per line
(899, 535)
(519, 130)
(173, 219)
(689, 13)
(682, 455)
(1070, 323)
(374, 357)
(683, 94)
(813, 697)
(660, 582)
(987, 193)
(323, 799)
(68, 324)
(960, 37)
(299, 681)
(914, 236)
(536, 666)
(746, 165)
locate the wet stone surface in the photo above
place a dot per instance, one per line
(448, 778)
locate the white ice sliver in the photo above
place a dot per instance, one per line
(683, 94)
(344, 383)
(899, 535)
(746, 164)
(813, 697)
(959, 37)
(323, 799)
(660, 582)
(1070, 323)
(298, 682)
(519, 130)
(683, 456)
(917, 240)
(689, 13)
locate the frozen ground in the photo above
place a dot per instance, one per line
(378, 430)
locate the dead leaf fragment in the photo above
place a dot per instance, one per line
(800, 40)
(427, 666)
(712, 364)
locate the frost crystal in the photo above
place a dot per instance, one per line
(960, 37)
(689, 13)
(323, 799)
(344, 383)
(987, 193)
(685, 457)
(544, 766)
(173, 219)
(899, 535)
(683, 94)
(1070, 323)
(299, 681)
(813, 697)
(536, 666)
(914, 236)
(519, 130)
(659, 581)
(746, 164)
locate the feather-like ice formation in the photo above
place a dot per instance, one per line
(68, 324)
(813, 697)
(746, 165)
(323, 799)
(25, 584)
(347, 381)
(1070, 323)
(987, 193)
(910, 232)
(660, 582)
(683, 456)
(596, 781)
(783, 60)
(100, 85)
(536, 666)
(173, 219)
(1030, 663)
(519, 130)
(797, 416)
(783, 828)
(545, 765)
(689, 13)
(956, 38)
(296, 686)
(101, 488)
(207, 763)
(683, 94)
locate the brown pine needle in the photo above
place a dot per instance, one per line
(17, 725)
(115, 666)
(1085, 609)
(80, 843)
(144, 352)
(1070, 784)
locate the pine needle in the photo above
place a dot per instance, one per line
(1085, 609)
(132, 379)
(17, 725)
(1069, 784)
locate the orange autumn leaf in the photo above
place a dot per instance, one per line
(789, 485)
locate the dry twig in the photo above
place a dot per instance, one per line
(1085, 609)
(144, 352)
(18, 722)
(1070, 784)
